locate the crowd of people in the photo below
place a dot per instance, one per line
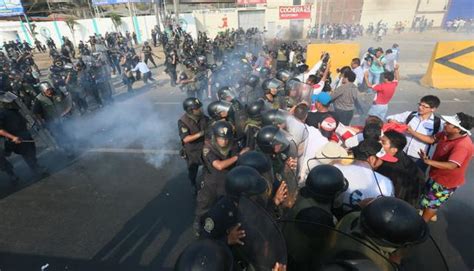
(276, 141)
(282, 137)
(337, 31)
(460, 25)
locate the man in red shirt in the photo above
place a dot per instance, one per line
(384, 93)
(449, 163)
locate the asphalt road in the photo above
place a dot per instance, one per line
(125, 203)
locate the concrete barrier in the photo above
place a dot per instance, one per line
(451, 66)
(341, 54)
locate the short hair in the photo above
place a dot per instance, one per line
(466, 121)
(301, 111)
(372, 132)
(350, 75)
(356, 61)
(312, 78)
(374, 120)
(431, 100)
(343, 69)
(388, 51)
(397, 140)
(389, 76)
(365, 149)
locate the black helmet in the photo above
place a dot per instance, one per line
(224, 92)
(45, 85)
(273, 117)
(183, 76)
(187, 62)
(252, 80)
(264, 72)
(269, 137)
(201, 59)
(271, 83)
(214, 67)
(191, 103)
(215, 108)
(222, 129)
(325, 183)
(205, 255)
(254, 110)
(283, 75)
(244, 181)
(255, 159)
(392, 222)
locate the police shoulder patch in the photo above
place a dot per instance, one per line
(184, 129)
(208, 224)
(205, 151)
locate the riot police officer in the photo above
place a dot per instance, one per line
(148, 53)
(202, 76)
(219, 155)
(171, 62)
(271, 88)
(253, 122)
(51, 107)
(187, 80)
(192, 126)
(250, 92)
(237, 114)
(14, 127)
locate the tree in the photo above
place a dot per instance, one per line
(71, 23)
(116, 20)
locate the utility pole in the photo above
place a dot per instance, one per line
(320, 6)
(176, 12)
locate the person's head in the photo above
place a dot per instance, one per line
(378, 52)
(393, 142)
(348, 76)
(395, 46)
(374, 119)
(459, 124)
(388, 76)
(46, 88)
(371, 151)
(355, 63)
(301, 112)
(388, 51)
(372, 131)
(222, 133)
(312, 79)
(192, 106)
(428, 104)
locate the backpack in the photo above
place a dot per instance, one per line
(436, 125)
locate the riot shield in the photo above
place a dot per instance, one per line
(264, 244)
(424, 256)
(313, 246)
(300, 92)
(36, 127)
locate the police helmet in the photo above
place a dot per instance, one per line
(291, 84)
(183, 76)
(271, 83)
(254, 110)
(252, 80)
(43, 86)
(215, 108)
(264, 72)
(201, 59)
(225, 92)
(214, 67)
(273, 117)
(283, 75)
(222, 129)
(7, 97)
(255, 159)
(270, 137)
(205, 255)
(325, 183)
(187, 63)
(392, 222)
(191, 103)
(244, 181)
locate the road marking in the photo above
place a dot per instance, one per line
(139, 151)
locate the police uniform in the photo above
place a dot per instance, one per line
(147, 52)
(202, 79)
(190, 87)
(213, 185)
(171, 61)
(189, 125)
(219, 219)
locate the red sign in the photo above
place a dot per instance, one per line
(295, 12)
(251, 2)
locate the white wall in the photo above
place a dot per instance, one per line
(388, 11)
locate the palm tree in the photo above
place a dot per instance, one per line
(71, 23)
(116, 20)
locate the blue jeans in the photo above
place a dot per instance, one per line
(379, 110)
(374, 78)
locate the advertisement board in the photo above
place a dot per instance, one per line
(251, 2)
(295, 12)
(10, 8)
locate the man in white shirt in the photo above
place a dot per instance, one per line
(364, 182)
(359, 71)
(144, 70)
(422, 126)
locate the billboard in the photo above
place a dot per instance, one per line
(295, 12)
(251, 2)
(10, 8)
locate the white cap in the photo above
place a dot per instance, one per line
(454, 120)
